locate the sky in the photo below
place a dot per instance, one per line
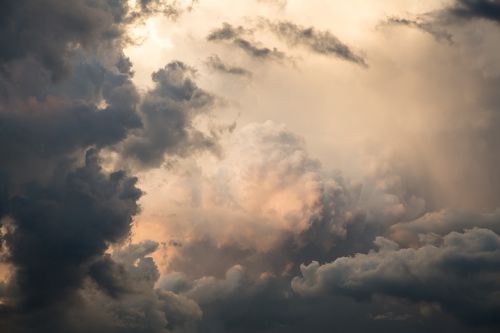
(185, 166)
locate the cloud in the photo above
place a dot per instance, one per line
(437, 22)
(475, 9)
(144, 308)
(67, 101)
(235, 35)
(459, 274)
(266, 204)
(321, 42)
(226, 32)
(428, 27)
(57, 230)
(238, 224)
(215, 63)
(437, 224)
(61, 27)
(258, 52)
(139, 307)
(168, 112)
(32, 127)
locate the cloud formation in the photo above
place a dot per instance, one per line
(130, 209)
(215, 63)
(167, 112)
(476, 9)
(66, 101)
(459, 274)
(235, 35)
(321, 42)
(438, 33)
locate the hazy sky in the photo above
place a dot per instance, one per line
(249, 166)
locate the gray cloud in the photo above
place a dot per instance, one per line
(235, 35)
(238, 302)
(321, 42)
(459, 275)
(215, 63)
(258, 52)
(434, 225)
(438, 33)
(66, 95)
(167, 113)
(476, 9)
(57, 230)
(437, 22)
(226, 32)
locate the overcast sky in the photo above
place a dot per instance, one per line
(249, 166)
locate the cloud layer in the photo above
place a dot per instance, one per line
(232, 192)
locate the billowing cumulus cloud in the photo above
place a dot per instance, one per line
(265, 196)
(459, 274)
(167, 113)
(66, 97)
(436, 224)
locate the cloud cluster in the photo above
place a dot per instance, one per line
(265, 196)
(268, 207)
(258, 237)
(67, 98)
(460, 274)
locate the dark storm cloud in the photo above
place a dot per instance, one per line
(137, 307)
(49, 31)
(142, 308)
(236, 35)
(436, 22)
(476, 9)
(168, 111)
(58, 229)
(66, 94)
(238, 302)
(62, 123)
(215, 63)
(460, 274)
(44, 30)
(321, 42)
